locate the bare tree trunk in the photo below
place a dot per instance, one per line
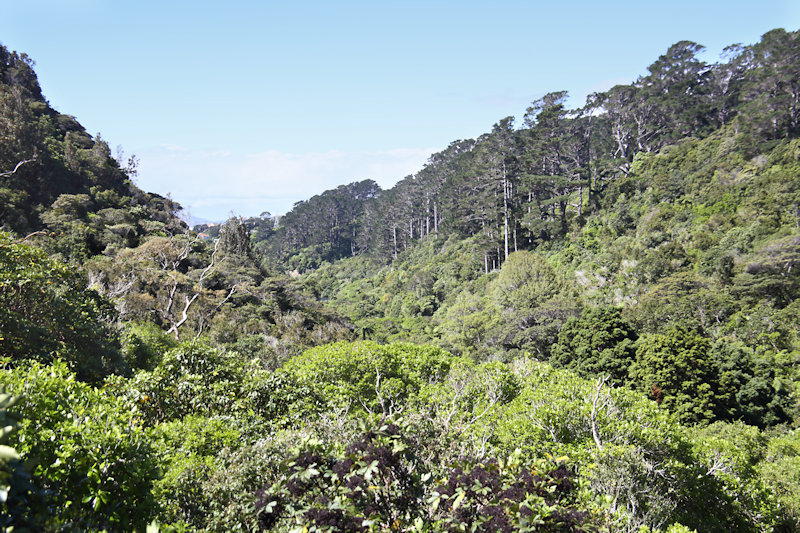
(505, 208)
(515, 236)
(595, 435)
(189, 301)
(184, 315)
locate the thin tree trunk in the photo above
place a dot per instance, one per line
(515, 235)
(505, 208)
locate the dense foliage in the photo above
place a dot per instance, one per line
(586, 323)
(46, 312)
(92, 466)
(378, 484)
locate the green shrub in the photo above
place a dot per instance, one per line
(373, 486)
(16, 493)
(93, 461)
(144, 344)
(46, 313)
(510, 495)
(379, 484)
(366, 375)
(780, 470)
(599, 342)
(196, 379)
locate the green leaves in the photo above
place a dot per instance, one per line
(677, 372)
(365, 375)
(8, 455)
(600, 342)
(375, 483)
(94, 464)
(46, 312)
(378, 483)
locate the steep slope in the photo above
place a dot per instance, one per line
(56, 177)
(62, 191)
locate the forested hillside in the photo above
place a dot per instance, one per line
(516, 188)
(587, 322)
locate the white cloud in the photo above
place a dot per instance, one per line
(212, 184)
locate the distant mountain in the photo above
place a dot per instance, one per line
(193, 221)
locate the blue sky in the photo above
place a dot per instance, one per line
(244, 107)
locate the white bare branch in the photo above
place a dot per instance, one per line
(11, 172)
(600, 382)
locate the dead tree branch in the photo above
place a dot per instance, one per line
(12, 172)
(600, 382)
